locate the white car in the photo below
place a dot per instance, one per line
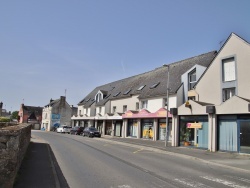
(63, 129)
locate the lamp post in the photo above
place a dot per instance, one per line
(166, 136)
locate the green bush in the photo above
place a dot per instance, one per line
(4, 119)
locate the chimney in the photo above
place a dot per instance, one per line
(51, 100)
(1, 104)
(62, 101)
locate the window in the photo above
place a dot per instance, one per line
(165, 102)
(107, 96)
(114, 109)
(98, 97)
(87, 110)
(80, 112)
(227, 93)
(191, 79)
(126, 92)
(154, 85)
(228, 68)
(115, 95)
(87, 100)
(144, 104)
(191, 98)
(140, 88)
(124, 108)
(100, 110)
(137, 106)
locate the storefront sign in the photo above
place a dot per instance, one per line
(162, 125)
(194, 125)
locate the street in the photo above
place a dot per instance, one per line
(97, 162)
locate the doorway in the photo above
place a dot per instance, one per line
(244, 136)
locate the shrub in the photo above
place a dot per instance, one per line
(4, 119)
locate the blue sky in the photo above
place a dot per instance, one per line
(49, 46)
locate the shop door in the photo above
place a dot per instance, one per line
(244, 136)
(118, 129)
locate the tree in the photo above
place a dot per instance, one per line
(14, 115)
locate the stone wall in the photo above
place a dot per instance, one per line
(14, 141)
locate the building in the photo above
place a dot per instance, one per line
(28, 114)
(137, 106)
(218, 116)
(57, 112)
(3, 112)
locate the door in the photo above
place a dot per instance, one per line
(244, 136)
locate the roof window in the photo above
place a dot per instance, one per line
(126, 92)
(154, 85)
(107, 96)
(115, 95)
(88, 100)
(140, 88)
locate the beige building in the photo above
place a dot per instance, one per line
(218, 116)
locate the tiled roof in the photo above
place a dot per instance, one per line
(158, 75)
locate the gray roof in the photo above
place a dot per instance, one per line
(117, 89)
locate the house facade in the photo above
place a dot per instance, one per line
(136, 107)
(57, 112)
(218, 116)
(30, 114)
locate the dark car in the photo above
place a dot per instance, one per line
(77, 130)
(91, 132)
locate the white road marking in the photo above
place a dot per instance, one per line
(224, 182)
(138, 150)
(238, 178)
(191, 183)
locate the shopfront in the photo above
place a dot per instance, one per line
(147, 128)
(108, 127)
(100, 125)
(118, 128)
(162, 129)
(151, 125)
(132, 130)
(234, 133)
(193, 131)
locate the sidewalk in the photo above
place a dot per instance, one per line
(223, 159)
(39, 168)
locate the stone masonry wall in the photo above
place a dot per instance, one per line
(14, 141)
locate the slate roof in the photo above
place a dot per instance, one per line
(158, 75)
(52, 102)
(30, 109)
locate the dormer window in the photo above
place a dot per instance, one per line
(154, 85)
(191, 79)
(98, 97)
(140, 88)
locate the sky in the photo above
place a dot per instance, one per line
(48, 47)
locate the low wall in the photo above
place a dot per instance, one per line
(14, 141)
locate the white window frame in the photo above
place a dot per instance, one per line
(144, 104)
(228, 70)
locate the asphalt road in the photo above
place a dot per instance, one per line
(93, 162)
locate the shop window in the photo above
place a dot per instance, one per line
(228, 70)
(124, 108)
(191, 79)
(227, 93)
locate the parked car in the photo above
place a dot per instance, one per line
(63, 129)
(77, 130)
(91, 132)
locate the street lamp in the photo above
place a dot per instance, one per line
(166, 135)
